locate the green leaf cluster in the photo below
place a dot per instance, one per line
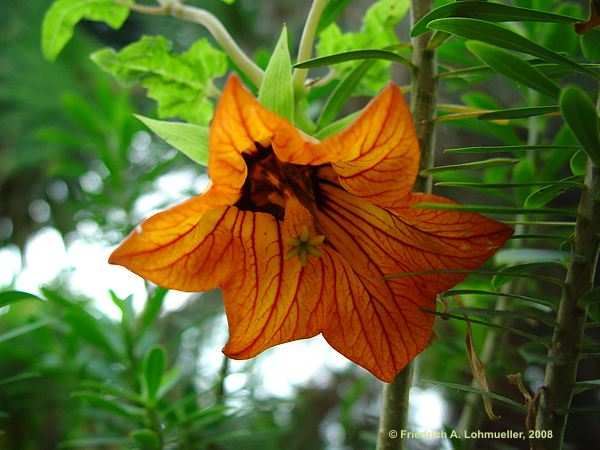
(377, 31)
(181, 84)
(63, 15)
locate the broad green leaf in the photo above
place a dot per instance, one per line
(519, 113)
(580, 114)
(276, 91)
(504, 38)
(180, 83)
(11, 297)
(353, 55)
(492, 162)
(492, 12)
(188, 138)
(509, 148)
(341, 93)
(542, 196)
(590, 45)
(63, 15)
(513, 67)
(377, 31)
(154, 367)
(578, 162)
(147, 438)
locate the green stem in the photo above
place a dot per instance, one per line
(306, 43)
(561, 370)
(395, 395)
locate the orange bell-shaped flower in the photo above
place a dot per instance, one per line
(299, 234)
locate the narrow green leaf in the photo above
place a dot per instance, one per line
(544, 195)
(539, 301)
(542, 223)
(477, 185)
(532, 337)
(331, 12)
(147, 438)
(353, 55)
(154, 367)
(276, 91)
(20, 377)
(486, 209)
(464, 388)
(477, 273)
(513, 67)
(577, 163)
(516, 315)
(11, 297)
(341, 93)
(93, 442)
(519, 113)
(510, 148)
(111, 404)
(16, 332)
(590, 45)
(493, 12)
(112, 390)
(504, 38)
(63, 15)
(337, 126)
(590, 298)
(493, 162)
(188, 138)
(151, 310)
(169, 381)
(580, 114)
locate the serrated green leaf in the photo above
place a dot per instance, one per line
(493, 12)
(147, 438)
(542, 196)
(153, 367)
(501, 37)
(519, 113)
(590, 45)
(580, 114)
(63, 15)
(354, 55)
(514, 68)
(181, 84)
(492, 162)
(509, 148)
(12, 297)
(188, 138)
(276, 91)
(341, 93)
(377, 31)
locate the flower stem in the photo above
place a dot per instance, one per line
(561, 369)
(306, 43)
(208, 20)
(395, 395)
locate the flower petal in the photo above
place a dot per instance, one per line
(377, 157)
(389, 327)
(179, 248)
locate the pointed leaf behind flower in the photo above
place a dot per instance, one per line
(180, 84)
(63, 15)
(580, 114)
(189, 139)
(514, 67)
(276, 92)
